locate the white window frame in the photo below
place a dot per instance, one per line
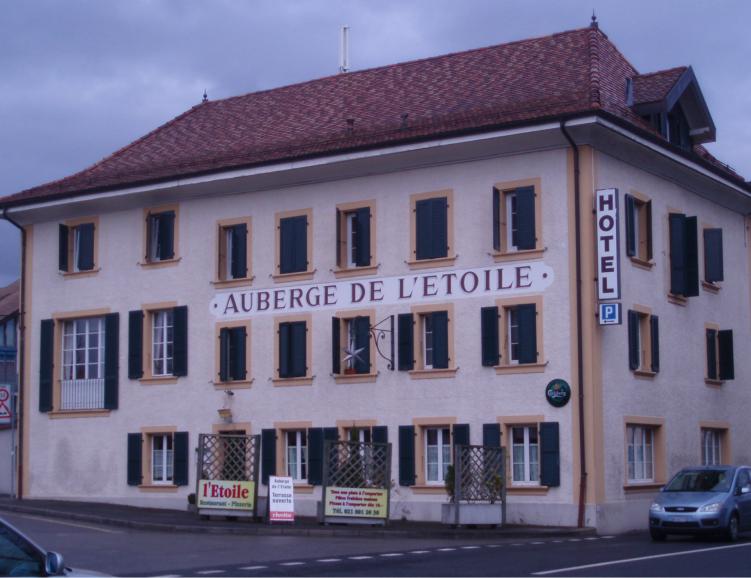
(427, 335)
(76, 247)
(162, 348)
(228, 253)
(530, 456)
(640, 456)
(300, 449)
(364, 435)
(351, 232)
(69, 348)
(443, 443)
(511, 220)
(154, 236)
(164, 461)
(512, 322)
(711, 446)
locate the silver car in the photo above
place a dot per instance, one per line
(703, 500)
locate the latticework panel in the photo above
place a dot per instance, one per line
(479, 473)
(358, 465)
(228, 457)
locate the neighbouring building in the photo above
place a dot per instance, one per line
(216, 274)
(9, 306)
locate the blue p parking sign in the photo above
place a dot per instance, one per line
(610, 314)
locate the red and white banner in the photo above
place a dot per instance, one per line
(281, 499)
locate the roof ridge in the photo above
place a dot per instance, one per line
(664, 70)
(594, 67)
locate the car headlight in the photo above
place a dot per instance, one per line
(711, 508)
(655, 507)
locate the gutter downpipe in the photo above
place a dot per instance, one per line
(579, 325)
(21, 356)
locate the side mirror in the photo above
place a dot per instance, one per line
(53, 564)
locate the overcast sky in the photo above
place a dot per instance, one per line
(82, 78)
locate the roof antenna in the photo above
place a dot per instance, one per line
(594, 20)
(343, 51)
(205, 96)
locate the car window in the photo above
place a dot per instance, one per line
(17, 557)
(743, 479)
(700, 481)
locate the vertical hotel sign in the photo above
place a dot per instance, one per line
(608, 257)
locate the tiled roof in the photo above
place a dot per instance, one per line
(653, 87)
(565, 74)
(9, 299)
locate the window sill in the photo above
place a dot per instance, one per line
(521, 368)
(158, 488)
(433, 373)
(677, 299)
(640, 263)
(428, 489)
(160, 264)
(297, 276)
(430, 263)
(240, 384)
(711, 287)
(225, 283)
(527, 490)
(158, 380)
(302, 488)
(644, 373)
(292, 381)
(343, 273)
(524, 254)
(355, 377)
(80, 274)
(642, 487)
(713, 382)
(74, 413)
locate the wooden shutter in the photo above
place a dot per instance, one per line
(224, 354)
(525, 218)
(491, 435)
(237, 344)
(298, 349)
(336, 358)
(460, 433)
(301, 243)
(293, 244)
(181, 458)
(654, 334)
(134, 459)
(338, 238)
(284, 368)
(135, 344)
(440, 339)
(380, 434)
(362, 249)
(527, 316)
(649, 230)
(268, 454)
(634, 355)
(180, 340)
(423, 230)
(631, 224)
(405, 323)
(727, 364)
(711, 336)
(111, 359)
(46, 363)
(239, 251)
(330, 434)
(315, 456)
(85, 246)
(550, 471)
(713, 266)
(439, 216)
(406, 455)
(62, 248)
(166, 235)
(496, 219)
(692, 257)
(362, 339)
(489, 336)
(677, 225)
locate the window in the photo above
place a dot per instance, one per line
(641, 465)
(437, 454)
(354, 235)
(158, 456)
(294, 245)
(525, 451)
(643, 342)
(293, 350)
(639, 228)
(162, 343)
(234, 352)
(82, 380)
(713, 261)
(516, 217)
(425, 339)
(711, 446)
(297, 455)
(160, 235)
(684, 267)
(158, 352)
(720, 361)
(162, 455)
(350, 342)
(518, 344)
(77, 247)
(432, 229)
(234, 250)
(358, 434)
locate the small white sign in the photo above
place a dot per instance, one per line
(608, 257)
(610, 314)
(6, 412)
(281, 499)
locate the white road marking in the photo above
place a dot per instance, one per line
(419, 551)
(557, 541)
(492, 545)
(360, 557)
(470, 547)
(75, 525)
(205, 572)
(608, 537)
(446, 549)
(252, 567)
(292, 563)
(591, 538)
(391, 555)
(574, 540)
(640, 559)
(330, 560)
(517, 544)
(536, 543)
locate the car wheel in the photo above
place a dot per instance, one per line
(657, 535)
(731, 531)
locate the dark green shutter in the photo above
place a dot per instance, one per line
(423, 230)
(649, 230)
(491, 435)
(440, 339)
(380, 434)
(135, 344)
(630, 226)
(713, 266)
(180, 340)
(315, 455)
(293, 244)
(85, 246)
(62, 248)
(711, 335)
(166, 235)
(634, 357)
(405, 323)
(284, 350)
(439, 217)
(362, 249)
(338, 238)
(550, 474)
(527, 316)
(654, 333)
(268, 454)
(525, 218)
(298, 349)
(489, 336)
(496, 219)
(111, 359)
(224, 354)
(406, 455)
(692, 257)
(134, 459)
(362, 340)
(677, 225)
(181, 458)
(237, 344)
(336, 358)
(460, 433)
(330, 434)
(46, 362)
(727, 364)
(239, 251)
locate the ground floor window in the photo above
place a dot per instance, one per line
(297, 455)
(437, 454)
(640, 453)
(525, 455)
(162, 458)
(711, 447)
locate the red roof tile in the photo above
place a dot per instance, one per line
(653, 87)
(9, 299)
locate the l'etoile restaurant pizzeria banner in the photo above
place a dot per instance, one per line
(504, 280)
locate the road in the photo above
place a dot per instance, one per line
(121, 551)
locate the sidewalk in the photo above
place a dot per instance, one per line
(183, 521)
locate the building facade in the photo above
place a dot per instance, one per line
(8, 378)
(387, 255)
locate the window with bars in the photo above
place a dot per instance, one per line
(640, 448)
(525, 455)
(437, 454)
(162, 342)
(297, 455)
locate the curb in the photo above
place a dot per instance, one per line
(323, 531)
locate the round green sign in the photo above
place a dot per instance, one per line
(558, 393)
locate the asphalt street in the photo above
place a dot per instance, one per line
(121, 551)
